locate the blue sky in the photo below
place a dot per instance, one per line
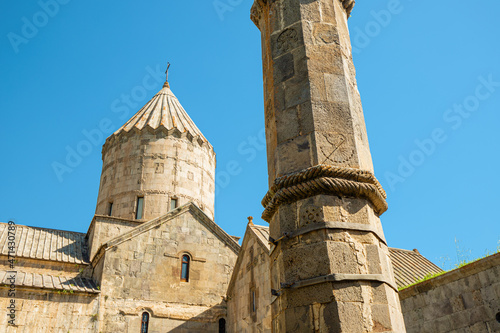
(428, 75)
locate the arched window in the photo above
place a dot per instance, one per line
(144, 322)
(222, 325)
(185, 268)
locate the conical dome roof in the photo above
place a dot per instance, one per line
(163, 110)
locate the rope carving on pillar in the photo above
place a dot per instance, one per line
(324, 179)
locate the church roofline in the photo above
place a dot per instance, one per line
(163, 113)
(146, 226)
(46, 244)
(251, 229)
(50, 282)
(262, 234)
(410, 266)
(481, 265)
(109, 218)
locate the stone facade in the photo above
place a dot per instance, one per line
(52, 291)
(249, 293)
(324, 203)
(251, 273)
(161, 257)
(104, 228)
(135, 273)
(159, 155)
(465, 300)
(141, 271)
(47, 311)
(158, 167)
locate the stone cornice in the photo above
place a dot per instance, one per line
(348, 6)
(258, 5)
(177, 311)
(256, 11)
(172, 133)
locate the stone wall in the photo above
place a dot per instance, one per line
(142, 272)
(157, 166)
(251, 276)
(465, 300)
(105, 228)
(42, 311)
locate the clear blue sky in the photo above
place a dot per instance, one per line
(64, 73)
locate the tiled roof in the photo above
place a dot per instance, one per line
(45, 281)
(410, 266)
(163, 110)
(46, 244)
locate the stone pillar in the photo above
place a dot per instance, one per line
(330, 266)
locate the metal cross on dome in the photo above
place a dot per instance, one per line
(166, 72)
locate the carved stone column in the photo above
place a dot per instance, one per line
(330, 267)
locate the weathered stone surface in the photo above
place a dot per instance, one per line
(462, 300)
(158, 169)
(131, 285)
(249, 292)
(47, 311)
(314, 116)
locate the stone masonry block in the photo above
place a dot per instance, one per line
(347, 311)
(287, 124)
(293, 155)
(295, 259)
(284, 69)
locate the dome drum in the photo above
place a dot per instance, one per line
(158, 160)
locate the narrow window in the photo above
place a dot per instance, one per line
(110, 209)
(173, 203)
(254, 306)
(145, 322)
(140, 208)
(185, 268)
(222, 325)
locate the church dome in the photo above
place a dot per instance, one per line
(157, 161)
(163, 110)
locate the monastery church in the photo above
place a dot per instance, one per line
(154, 259)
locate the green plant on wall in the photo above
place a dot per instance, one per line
(425, 278)
(463, 259)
